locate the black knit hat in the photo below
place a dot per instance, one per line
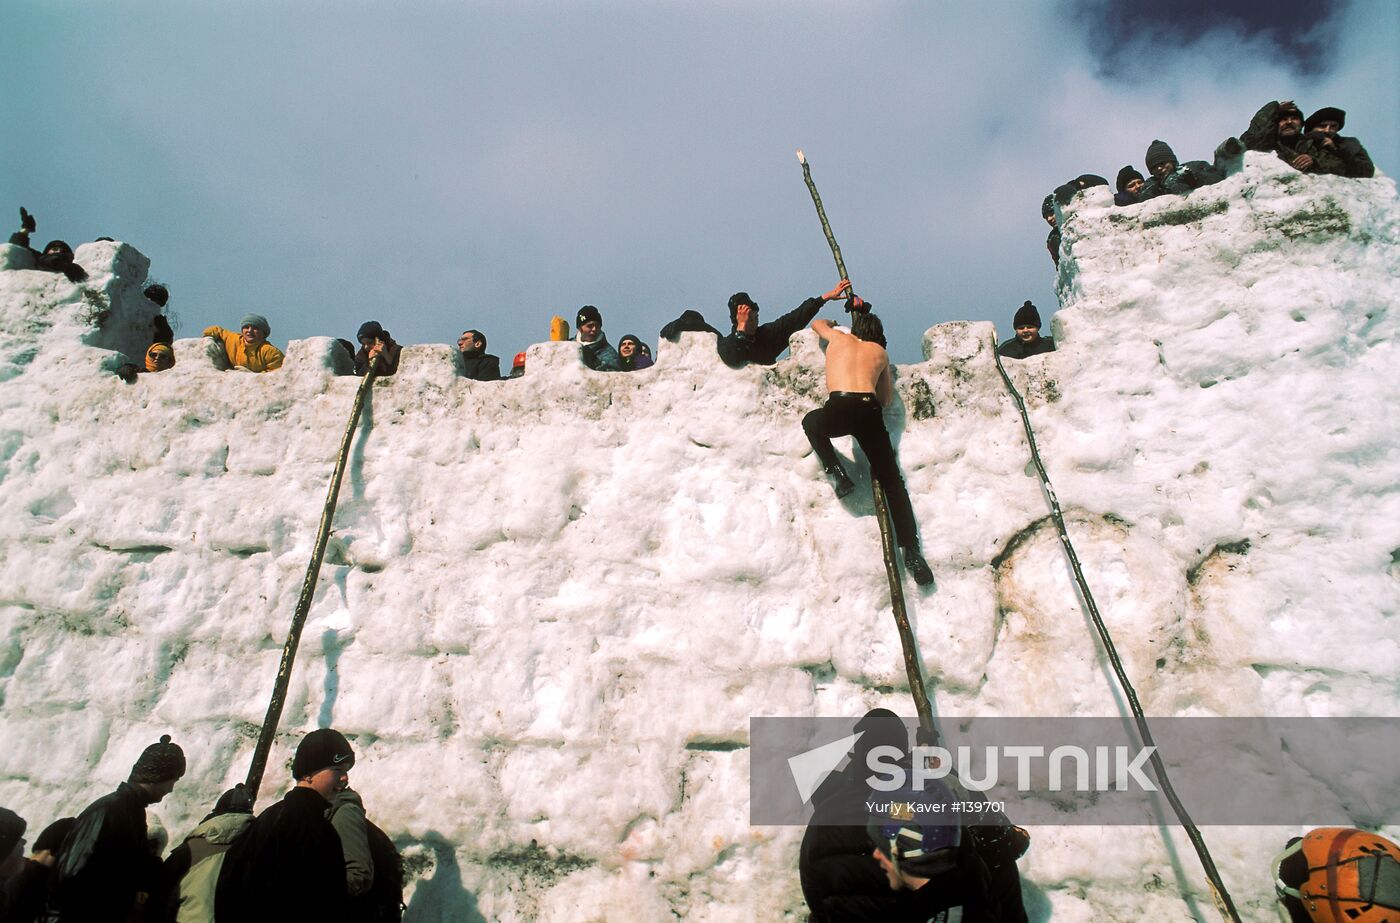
(369, 329)
(1326, 114)
(236, 800)
(12, 828)
(1159, 152)
(1026, 315)
(322, 749)
(587, 313)
(1127, 175)
(160, 762)
(737, 299)
(54, 834)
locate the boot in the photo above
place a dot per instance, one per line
(918, 568)
(839, 480)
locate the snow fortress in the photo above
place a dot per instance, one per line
(550, 605)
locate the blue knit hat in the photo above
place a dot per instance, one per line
(257, 322)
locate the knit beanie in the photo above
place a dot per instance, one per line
(588, 313)
(904, 831)
(1026, 315)
(257, 322)
(880, 727)
(54, 834)
(12, 827)
(236, 800)
(737, 299)
(1127, 175)
(322, 749)
(369, 329)
(1159, 152)
(160, 762)
(1326, 114)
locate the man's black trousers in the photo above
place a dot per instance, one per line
(859, 415)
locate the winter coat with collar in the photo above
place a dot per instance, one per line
(482, 367)
(191, 872)
(287, 867)
(347, 816)
(767, 342)
(104, 861)
(599, 356)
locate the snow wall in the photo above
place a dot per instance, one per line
(550, 606)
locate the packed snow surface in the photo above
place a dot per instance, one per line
(550, 605)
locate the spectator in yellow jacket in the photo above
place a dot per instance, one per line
(249, 349)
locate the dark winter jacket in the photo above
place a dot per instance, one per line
(1124, 198)
(388, 359)
(72, 271)
(967, 886)
(769, 340)
(599, 356)
(104, 861)
(1335, 155)
(1358, 162)
(1191, 175)
(1052, 243)
(835, 858)
(191, 871)
(1015, 349)
(482, 367)
(287, 867)
(22, 897)
(1263, 135)
(637, 362)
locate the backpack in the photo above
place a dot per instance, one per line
(383, 902)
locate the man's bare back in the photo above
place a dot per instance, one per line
(854, 365)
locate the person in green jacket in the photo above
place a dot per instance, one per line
(1278, 127)
(347, 816)
(1323, 126)
(1171, 177)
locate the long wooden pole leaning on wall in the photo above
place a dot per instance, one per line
(308, 590)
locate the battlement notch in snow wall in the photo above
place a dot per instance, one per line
(550, 605)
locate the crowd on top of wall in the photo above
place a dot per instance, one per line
(1312, 145)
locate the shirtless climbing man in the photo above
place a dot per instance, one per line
(859, 386)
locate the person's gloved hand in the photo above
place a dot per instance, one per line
(26, 220)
